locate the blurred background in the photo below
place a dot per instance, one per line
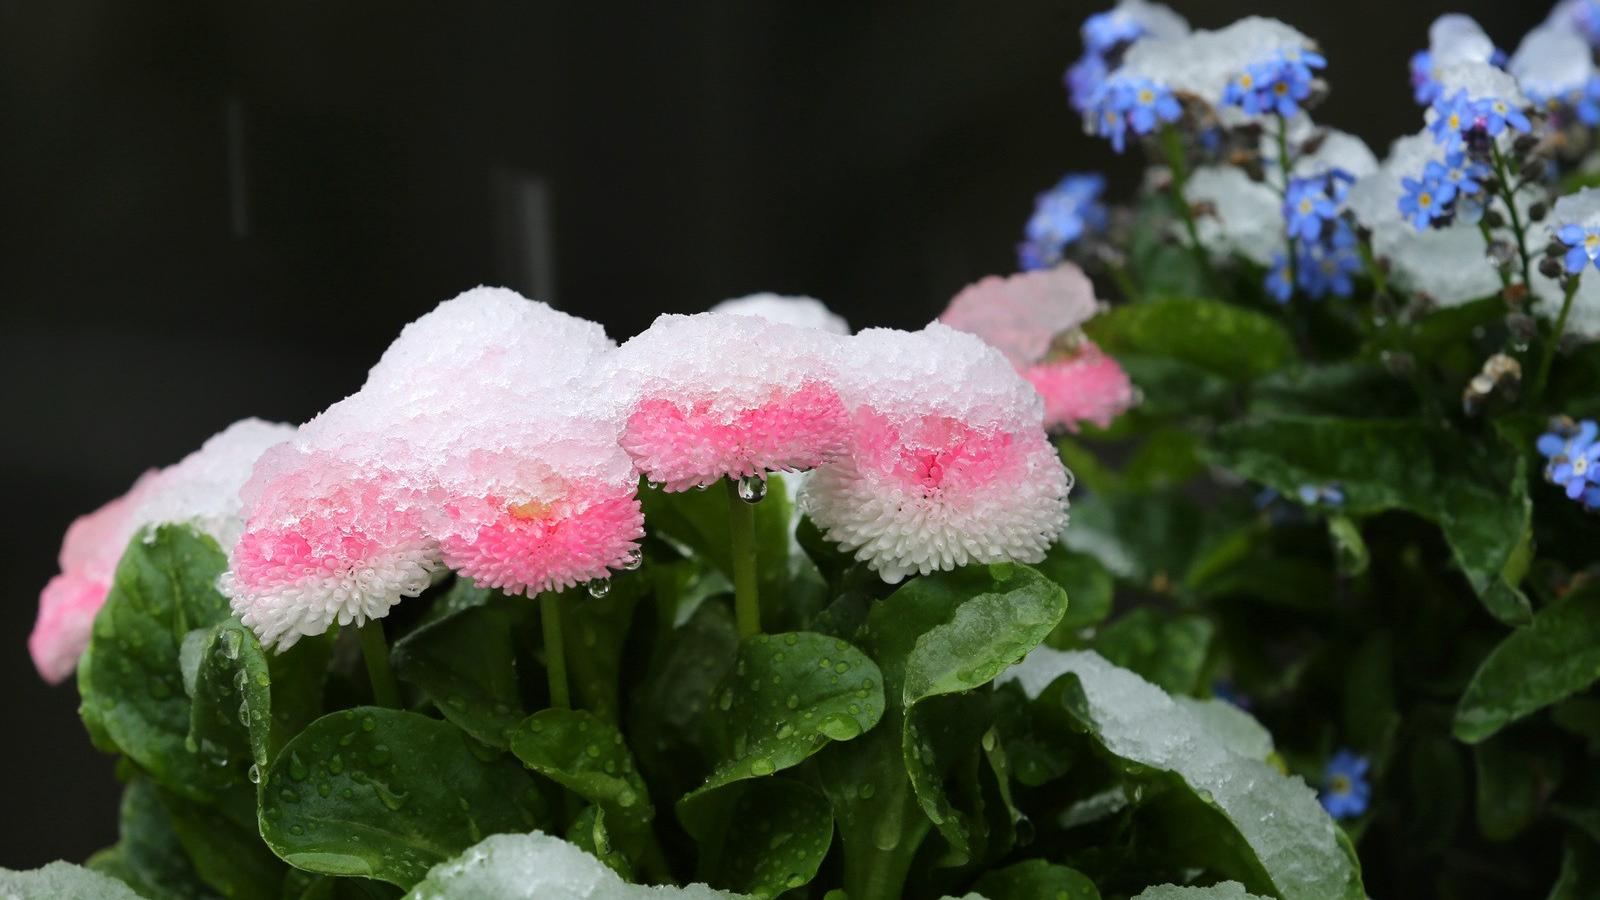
(214, 210)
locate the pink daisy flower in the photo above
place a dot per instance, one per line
(485, 439)
(1035, 319)
(201, 491)
(947, 462)
(1086, 386)
(727, 396)
(68, 603)
(327, 541)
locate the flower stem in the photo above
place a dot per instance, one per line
(1549, 354)
(1502, 172)
(1172, 147)
(1488, 243)
(1380, 284)
(742, 540)
(1285, 167)
(375, 651)
(555, 650)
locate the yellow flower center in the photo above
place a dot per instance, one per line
(1246, 81)
(533, 509)
(1147, 97)
(1339, 784)
(1424, 200)
(1306, 205)
(1455, 121)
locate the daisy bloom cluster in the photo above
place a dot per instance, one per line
(505, 441)
(946, 461)
(201, 491)
(482, 441)
(1036, 320)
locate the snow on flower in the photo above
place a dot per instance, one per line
(1553, 65)
(1446, 263)
(1107, 35)
(1035, 319)
(936, 477)
(1453, 39)
(1021, 315)
(201, 490)
(327, 541)
(483, 439)
(801, 312)
(1245, 217)
(1205, 63)
(717, 396)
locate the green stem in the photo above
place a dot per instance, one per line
(1380, 284)
(1123, 281)
(1488, 242)
(375, 651)
(1502, 171)
(1172, 147)
(742, 538)
(1549, 354)
(555, 651)
(1284, 167)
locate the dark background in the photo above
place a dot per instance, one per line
(213, 210)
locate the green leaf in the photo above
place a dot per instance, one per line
(1371, 716)
(1579, 878)
(1555, 656)
(148, 856)
(666, 716)
(879, 814)
(787, 696)
(769, 837)
(589, 832)
(131, 678)
(1231, 341)
(62, 880)
(1089, 592)
(231, 713)
(228, 857)
(466, 662)
(585, 754)
(1514, 778)
(382, 793)
(1211, 807)
(1474, 490)
(1036, 879)
(1169, 650)
(986, 632)
(1150, 539)
(1349, 548)
(299, 676)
